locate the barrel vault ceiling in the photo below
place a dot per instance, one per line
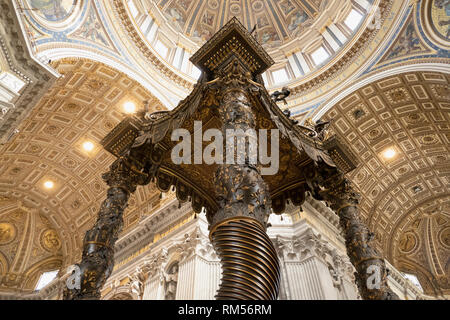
(405, 199)
(83, 105)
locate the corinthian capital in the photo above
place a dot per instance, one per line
(125, 175)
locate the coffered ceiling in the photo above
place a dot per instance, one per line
(400, 129)
(405, 198)
(83, 105)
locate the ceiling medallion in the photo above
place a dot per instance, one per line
(7, 233)
(408, 242)
(213, 4)
(428, 140)
(15, 171)
(375, 133)
(413, 118)
(50, 240)
(71, 108)
(235, 9)
(359, 112)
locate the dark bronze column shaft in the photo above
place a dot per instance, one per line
(98, 246)
(330, 185)
(250, 267)
(250, 264)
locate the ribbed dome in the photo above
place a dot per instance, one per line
(302, 36)
(277, 22)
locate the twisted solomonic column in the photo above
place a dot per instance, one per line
(250, 266)
(330, 185)
(97, 260)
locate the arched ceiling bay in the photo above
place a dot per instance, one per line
(83, 105)
(29, 246)
(405, 197)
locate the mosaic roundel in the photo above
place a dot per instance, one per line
(444, 237)
(436, 16)
(50, 240)
(440, 16)
(7, 233)
(408, 242)
(53, 10)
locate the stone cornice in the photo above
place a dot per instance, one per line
(308, 244)
(37, 77)
(49, 292)
(404, 282)
(143, 234)
(326, 213)
(183, 243)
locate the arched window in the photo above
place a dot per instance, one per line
(413, 279)
(353, 19)
(45, 279)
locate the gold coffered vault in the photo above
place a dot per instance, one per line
(404, 200)
(71, 71)
(230, 94)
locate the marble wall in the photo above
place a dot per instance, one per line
(314, 264)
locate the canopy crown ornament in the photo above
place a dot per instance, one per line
(232, 40)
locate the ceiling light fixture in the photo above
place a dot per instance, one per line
(129, 107)
(389, 153)
(88, 146)
(49, 184)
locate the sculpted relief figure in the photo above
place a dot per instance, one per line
(336, 277)
(7, 233)
(137, 283)
(171, 280)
